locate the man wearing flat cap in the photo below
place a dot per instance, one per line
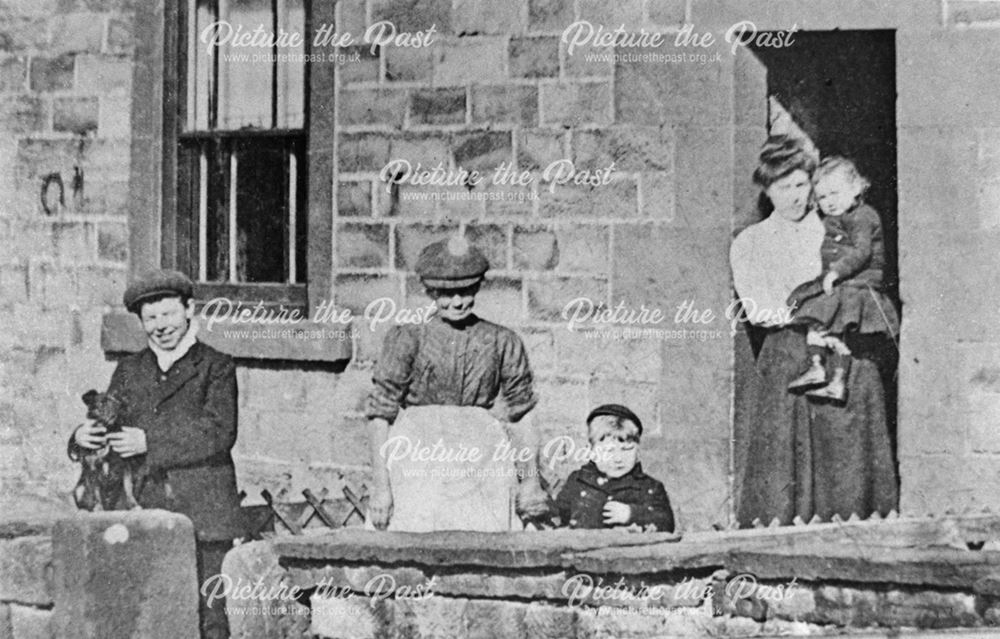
(443, 389)
(179, 417)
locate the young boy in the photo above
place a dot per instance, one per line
(179, 419)
(611, 490)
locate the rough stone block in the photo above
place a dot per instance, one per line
(483, 151)
(618, 199)
(14, 74)
(26, 570)
(491, 239)
(538, 148)
(343, 618)
(669, 13)
(354, 199)
(968, 13)
(437, 106)
(351, 18)
(587, 61)
(356, 292)
(51, 74)
(496, 105)
(72, 241)
(471, 17)
(78, 32)
(373, 107)
(548, 297)
(125, 574)
(656, 196)
(577, 104)
(631, 148)
(78, 115)
(99, 286)
(845, 606)
(451, 64)
(414, 15)
(583, 248)
(362, 245)
(408, 65)
(22, 113)
(535, 248)
(115, 116)
(121, 35)
(536, 57)
(646, 94)
(928, 609)
(612, 14)
(550, 15)
(27, 622)
(363, 152)
(551, 622)
(359, 63)
(426, 150)
(103, 74)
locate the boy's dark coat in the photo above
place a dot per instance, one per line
(581, 501)
(189, 415)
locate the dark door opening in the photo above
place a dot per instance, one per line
(837, 88)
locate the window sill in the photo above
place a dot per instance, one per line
(305, 341)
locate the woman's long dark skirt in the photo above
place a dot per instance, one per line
(811, 457)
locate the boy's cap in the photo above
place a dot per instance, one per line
(156, 284)
(615, 410)
(451, 263)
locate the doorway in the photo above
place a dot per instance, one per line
(838, 90)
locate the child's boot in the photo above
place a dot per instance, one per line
(835, 390)
(812, 377)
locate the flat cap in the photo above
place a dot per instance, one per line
(157, 284)
(451, 263)
(615, 410)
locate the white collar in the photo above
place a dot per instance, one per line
(166, 359)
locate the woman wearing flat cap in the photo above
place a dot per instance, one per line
(179, 424)
(449, 446)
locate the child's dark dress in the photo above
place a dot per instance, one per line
(853, 247)
(581, 501)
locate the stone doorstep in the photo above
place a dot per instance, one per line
(906, 551)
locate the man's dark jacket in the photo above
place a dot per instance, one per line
(581, 501)
(189, 415)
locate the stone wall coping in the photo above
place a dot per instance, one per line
(304, 341)
(929, 551)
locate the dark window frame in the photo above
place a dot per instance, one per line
(157, 110)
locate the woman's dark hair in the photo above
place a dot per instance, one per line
(780, 156)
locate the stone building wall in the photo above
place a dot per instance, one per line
(499, 86)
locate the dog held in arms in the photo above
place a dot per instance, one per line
(106, 479)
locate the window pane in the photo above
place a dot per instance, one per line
(235, 87)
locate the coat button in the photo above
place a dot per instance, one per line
(583, 493)
(650, 491)
(572, 522)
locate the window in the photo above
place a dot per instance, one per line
(240, 151)
(226, 142)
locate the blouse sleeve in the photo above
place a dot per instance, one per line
(753, 280)
(517, 386)
(393, 374)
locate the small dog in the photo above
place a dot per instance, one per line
(105, 478)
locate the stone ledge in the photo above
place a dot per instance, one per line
(305, 341)
(459, 548)
(906, 551)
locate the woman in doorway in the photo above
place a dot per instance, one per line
(806, 456)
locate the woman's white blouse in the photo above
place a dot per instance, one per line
(771, 258)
